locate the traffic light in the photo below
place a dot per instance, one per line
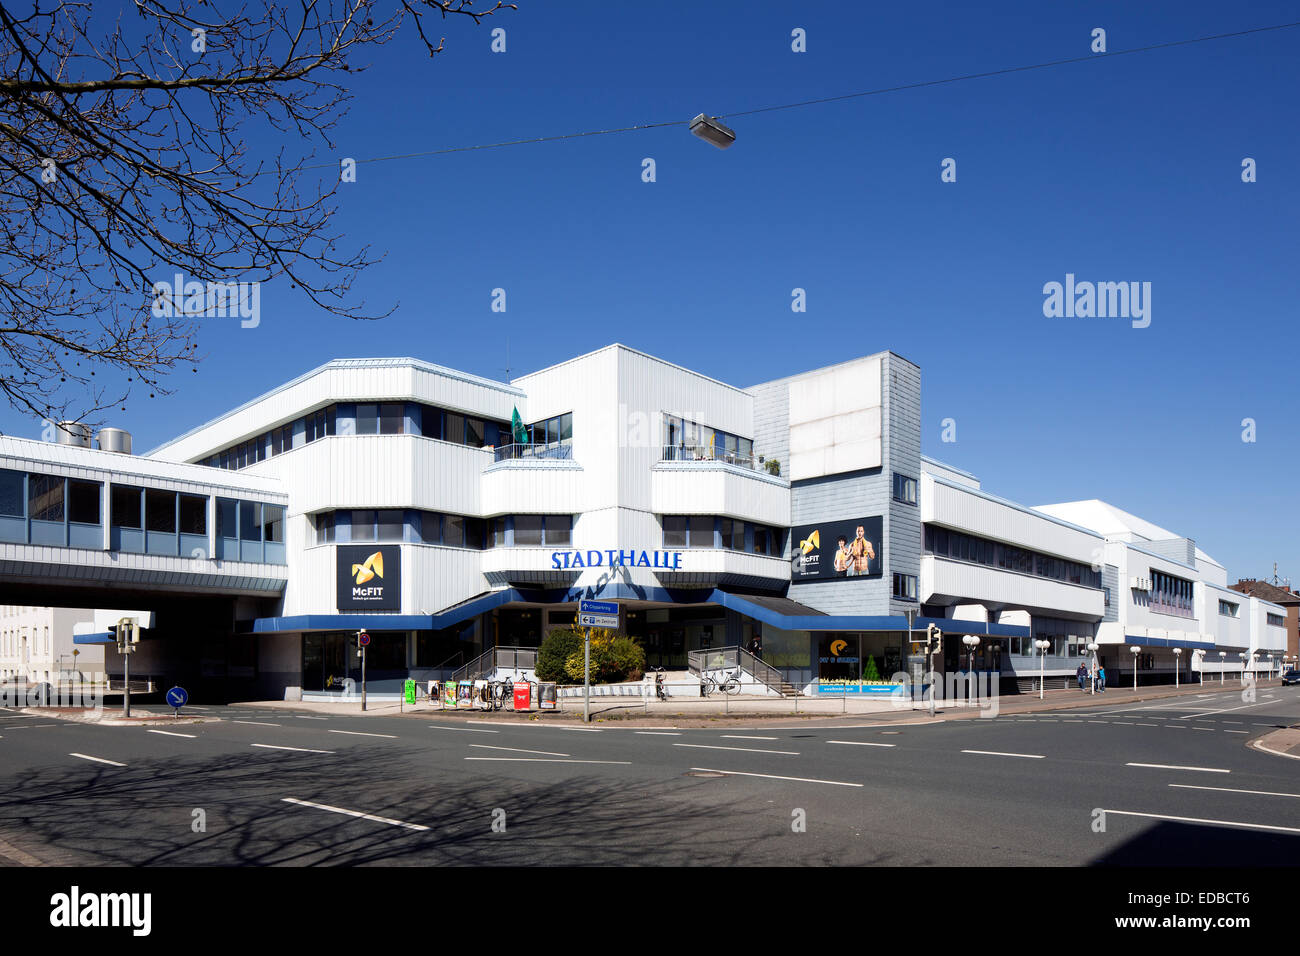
(934, 637)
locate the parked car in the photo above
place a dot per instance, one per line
(1291, 677)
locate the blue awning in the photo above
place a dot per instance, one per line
(103, 637)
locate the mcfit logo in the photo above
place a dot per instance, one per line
(368, 579)
(373, 568)
(837, 647)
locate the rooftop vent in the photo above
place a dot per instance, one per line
(73, 433)
(114, 439)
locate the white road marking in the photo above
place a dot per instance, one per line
(1222, 823)
(353, 813)
(1236, 731)
(1208, 729)
(1225, 710)
(304, 717)
(773, 776)
(361, 733)
(859, 743)
(544, 760)
(659, 733)
(1260, 746)
(996, 753)
(743, 737)
(1146, 725)
(748, 750)
(303, 750)
(467, 730)
(113, 763)
(583, 730)
(1165, 766)
(520, 750)
(169, 733)
(258, 723)
(1258, 793)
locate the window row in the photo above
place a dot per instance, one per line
(706, 531)
(966, 547)
(365, 418)
(1276, 620)
(1171, 595)
(1228, 609)
(552, 431)
(905, 587)
(685, 440)
(432, 527)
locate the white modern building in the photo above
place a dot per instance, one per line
(36, 646)
(400, 497)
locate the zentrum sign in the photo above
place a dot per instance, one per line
(613, 558)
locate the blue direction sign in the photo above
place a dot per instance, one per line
(177, 697)
(598, 613)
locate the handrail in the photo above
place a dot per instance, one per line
(705, 453)
(721, 658)
(460, 654)
(496, 657)
(562, 450)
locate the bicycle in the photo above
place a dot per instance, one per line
(729, 685)
(661, 691)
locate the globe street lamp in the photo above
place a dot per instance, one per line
(1222, 664)
(1136, 650)
(1042, 664)
(1178, 659)
(1093, 647)
(972, 642)
(1242, 655)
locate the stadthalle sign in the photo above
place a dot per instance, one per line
(663, 560)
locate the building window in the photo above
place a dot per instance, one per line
(904, 489)
(674, 531)
(453, 531)
(368, 419)
(325, 527)
(11, 493)
(363, 525)
(528, 531)
(1171, 595)
(559, 531)
(273, 523)
(160, 511)
(699, 532)
(392, 418)
(964, 547)
(905, 587)
(83, 501)
(194, 514)
(685, 440)
(45, 498)
(1276, 620)
(1228, 609)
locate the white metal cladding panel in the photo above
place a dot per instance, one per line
(716, 489)
(964, 510)
(524, 487)
(433, 578)
(772, 422)
(20, 454)
(348, 383)
(647, 389)
(994, 586)
(381, 471)
(1265, 636)
(1137, 612)
(901, 395)
(587, 387)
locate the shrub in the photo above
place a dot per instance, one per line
(615, 657)
(555, 650)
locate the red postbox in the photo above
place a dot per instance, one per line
(523, 695)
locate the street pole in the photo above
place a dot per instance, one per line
(126, 680)
(586, 677)
(363, 678)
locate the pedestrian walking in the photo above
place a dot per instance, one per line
(1101, 680)
(1082, 675)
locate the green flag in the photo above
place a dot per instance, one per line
(517, 430)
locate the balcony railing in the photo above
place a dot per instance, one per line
(557, 450)
(706, 453)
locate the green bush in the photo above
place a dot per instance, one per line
(555, 650)
(615, 657)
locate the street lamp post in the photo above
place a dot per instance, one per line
(972, 642)
(1136, 650)
(1093, 647)
(1042, 664)
(1178, 659)
(1223, 663)
(1242, 655)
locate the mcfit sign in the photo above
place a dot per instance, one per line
(369, 577)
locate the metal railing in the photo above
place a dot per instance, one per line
(494, 658)
(706, 660)
(557, 450)
(706, 453)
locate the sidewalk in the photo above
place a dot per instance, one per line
(767, 711)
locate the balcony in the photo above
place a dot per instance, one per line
(706, 453)
(560, 451)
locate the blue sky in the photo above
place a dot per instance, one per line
(1124, 169)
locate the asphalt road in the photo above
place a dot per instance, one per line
(281, 787)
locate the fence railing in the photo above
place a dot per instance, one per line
(705, 660)
(557, 450)
(510, 658)
(706, 453)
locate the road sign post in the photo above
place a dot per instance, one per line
(363, 641)
(592, 614)
(177, 698)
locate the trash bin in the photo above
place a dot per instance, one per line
(546, 697)
(523, 695)
(410, 691)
